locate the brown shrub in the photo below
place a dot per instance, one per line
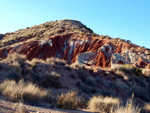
(77, 66)
(69, 100)
(21, 91)
(128, 108)
(146, 72)
(35, 61)
(147, 107)
(16, 59)
(55, 62)
(103, 104)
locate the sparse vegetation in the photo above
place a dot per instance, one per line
(73, 76)
(103, 104)
(36, 61)
(90, 81)
(147, 107)
(21, 91)
(128, 108)
(129, 69)
(70, 100)
(14, 76)
(55, 62)
(77, 66)
(49, 80)
(112, 105)
(146, 72)
(52, 80)
(16, 59)
(82, 74)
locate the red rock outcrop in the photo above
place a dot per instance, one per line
(74, 42)
(88, 50)
(142, 63)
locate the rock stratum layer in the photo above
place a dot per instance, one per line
(84, 47)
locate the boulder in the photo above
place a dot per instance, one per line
(87, 58)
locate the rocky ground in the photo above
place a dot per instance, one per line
(10, 107)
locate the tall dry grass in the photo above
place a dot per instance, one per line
(55, 62)
(16, 59)
(103, 104)
(35, 61)
(128, 108)
(69, 100)
(112, 105)
(21, 91)
(146, 72)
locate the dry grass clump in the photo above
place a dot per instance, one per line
(128, 108)
(146, 72)
(103, 104)
(77, 66)
(22, 108)
(21, 91)
(147, 107)
(16, 59)
(55, 62)
(69, 100)
(35, 61)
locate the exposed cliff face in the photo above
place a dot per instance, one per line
(77, 47)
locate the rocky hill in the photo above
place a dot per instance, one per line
(64, 64)
(74, 42)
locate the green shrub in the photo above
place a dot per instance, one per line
(82, 74)
(46, 25)
(52, 80)
(73, 76)
(14, 76)
(129, 69)
(90, 81)
(67, 68)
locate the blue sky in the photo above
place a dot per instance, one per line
(127, 19)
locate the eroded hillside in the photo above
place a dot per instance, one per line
(73, 41)
(61, 62)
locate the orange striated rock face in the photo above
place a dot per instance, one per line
(88, 50)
